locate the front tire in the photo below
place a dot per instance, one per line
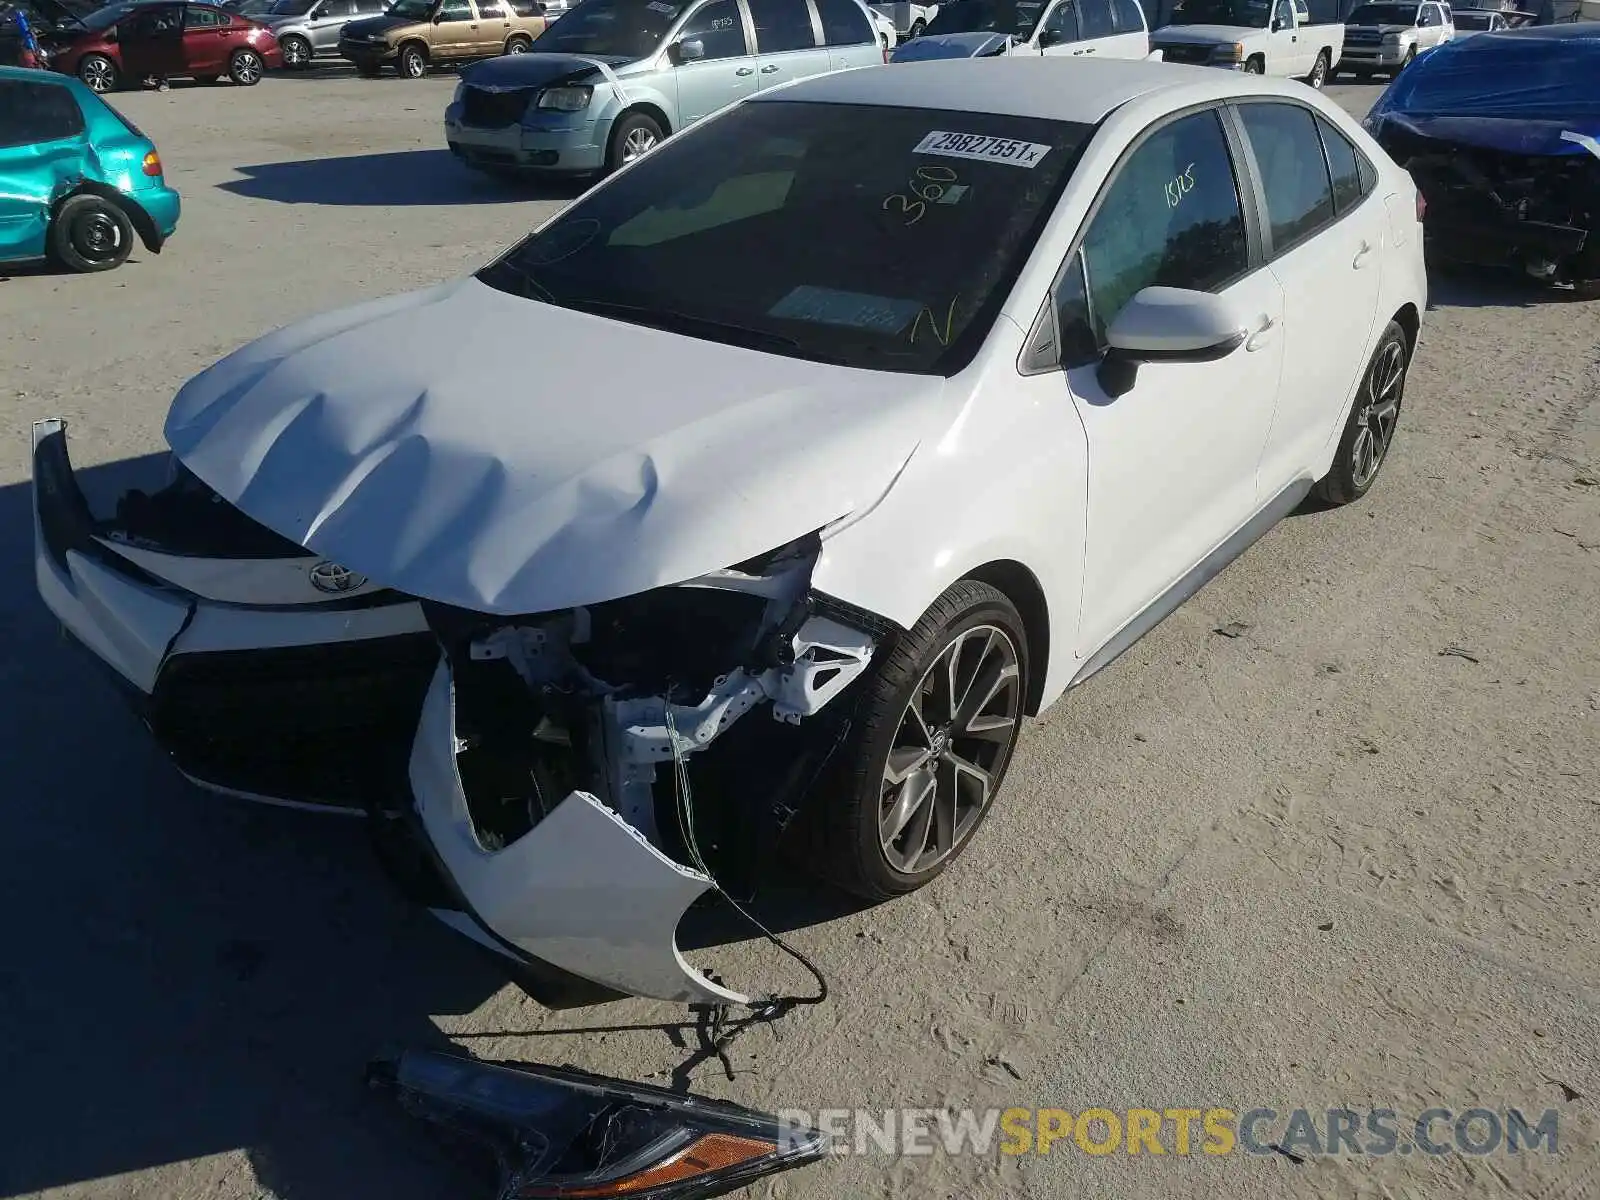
(918, 28)
(1369, 431)
(1254, 66)
(413, 61)
(98, 73)
(244, 68)
(632, 137)
(90, 233)
(296, 52)
(938, 721)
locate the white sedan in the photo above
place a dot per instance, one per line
(755, 500)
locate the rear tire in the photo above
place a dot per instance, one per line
(99, 74)
(918, 28)
(1319, 71)
(517, 44)
(90, 233)
(296, 52)
(413, 61)
(864, 814)
(244, 68)
(1369, 432)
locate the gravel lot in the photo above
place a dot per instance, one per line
(1320, 863)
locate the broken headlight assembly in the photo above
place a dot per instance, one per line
(563, 1133)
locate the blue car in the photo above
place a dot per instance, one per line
(1501, 132)
(78, 182)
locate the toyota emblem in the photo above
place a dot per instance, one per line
(331, 577)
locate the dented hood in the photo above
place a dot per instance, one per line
(503, 455)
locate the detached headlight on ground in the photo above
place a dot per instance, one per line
(566, 99)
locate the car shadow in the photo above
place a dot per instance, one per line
(1459, 286)
(405, 178)
(188, 976)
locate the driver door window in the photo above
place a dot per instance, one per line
(718, 29)
(1061, 26)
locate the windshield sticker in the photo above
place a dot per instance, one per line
(854, 310)
(1180, 186)
(982, 147)
(670, 10)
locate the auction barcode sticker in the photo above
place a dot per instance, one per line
(982, 147)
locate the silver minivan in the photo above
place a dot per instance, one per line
(612, 78)
(308, 29)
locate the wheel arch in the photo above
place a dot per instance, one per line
(1410, 320)
(419, 43)
(137, 217)
(1023, 589)
(648, 108)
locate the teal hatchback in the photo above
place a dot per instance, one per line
(78, 181)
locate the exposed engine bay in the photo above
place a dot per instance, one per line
(616, 699)
(1538, 213)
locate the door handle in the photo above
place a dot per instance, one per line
(769, 69)
(1363, 256)
(1089, 50)
(745, 71)
(1262, 335)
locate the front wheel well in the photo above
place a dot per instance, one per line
(142, 224)
(410, 42)
(649, 110)
(1022, 588)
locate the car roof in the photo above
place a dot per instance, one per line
(1046, 87)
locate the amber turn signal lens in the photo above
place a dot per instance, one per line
(712, 1152)
(152, 163)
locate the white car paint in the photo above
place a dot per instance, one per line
(445, 469)
(1389, 45)
(1106, 28)
(1285, 45)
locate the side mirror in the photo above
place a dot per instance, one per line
(692, 50)
(1050, 37)
(1276, 25)
(1168, 325)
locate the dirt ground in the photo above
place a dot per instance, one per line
(1322, 863)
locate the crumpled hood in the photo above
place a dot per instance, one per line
(468, 446)
(1507, 134)
(1201, 35)
(533, 69)
(952, 45)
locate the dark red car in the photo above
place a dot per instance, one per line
(128, 43)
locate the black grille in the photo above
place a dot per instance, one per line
(495, 110)
(1187, 54)
(318, 724)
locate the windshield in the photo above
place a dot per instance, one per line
(628, 29)
(1017, 17)
(884, 238)
(1383, 14)
(410, 10)
(291, 8)
(1503, 75)
(1252, 14)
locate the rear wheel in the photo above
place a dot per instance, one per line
(296, 51)
(1319, 71)
(244, 68)
(413, 61)
(937, 724)
(1369, 432)
(517, 44)
(98, 73)
(90, 233)
(918, 28)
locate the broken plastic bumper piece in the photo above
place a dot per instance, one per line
(565, 1133)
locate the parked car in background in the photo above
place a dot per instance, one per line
(78, 182)
(1259, 37)
(606, 83)
(249, 8)
(308, 29)
(1470, 21)
(909, 19)
(1387, 36)
(1502, 133)
(888, 35)
(126, 44)
(970, 28)
(412, 35)
(27, 28)
(720, 500)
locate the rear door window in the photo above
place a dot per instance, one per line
(1294, 174)
(782, 25)
(197, 17)
(872, 236)
(1350, 183)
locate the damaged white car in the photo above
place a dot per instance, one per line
(758, 496)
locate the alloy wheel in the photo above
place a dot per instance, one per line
(295, 52)
(246, 68)
(1378, 415)
(637, 144)
(1319, 72)
(950, 745)
(414, 64)
(97, 74)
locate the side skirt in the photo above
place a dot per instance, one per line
(1202, 573)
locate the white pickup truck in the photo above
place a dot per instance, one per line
(909, 19)
(1261, 37)
(990, 28)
